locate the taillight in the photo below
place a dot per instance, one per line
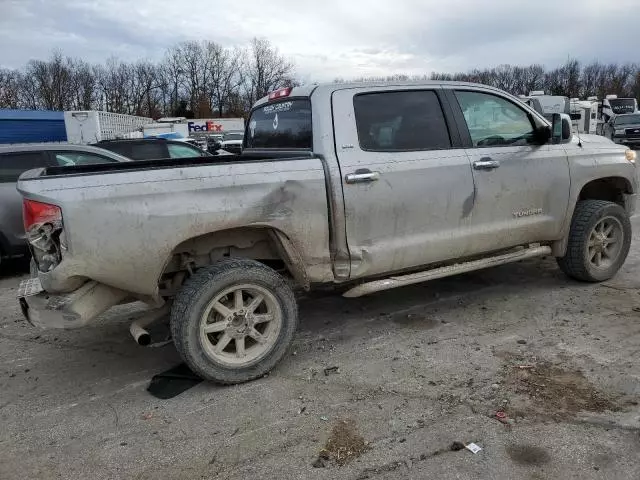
(281, 93)
(36, 214)
(44, 229)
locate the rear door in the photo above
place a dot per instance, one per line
(11, 166)
(522, 187)
(407, 183)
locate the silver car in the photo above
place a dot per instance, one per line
(17, 158)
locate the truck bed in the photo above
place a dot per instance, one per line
(123, 222)
(135, 165)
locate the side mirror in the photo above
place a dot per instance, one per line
(561, 128)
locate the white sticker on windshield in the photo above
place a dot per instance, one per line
(252, 127)
(277, 107)
(275, 122)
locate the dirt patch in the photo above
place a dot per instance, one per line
(557, 390)
(528, 454)
(344, 443)
(413, 320)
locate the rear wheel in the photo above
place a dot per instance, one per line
(233, 321)
(599, 241)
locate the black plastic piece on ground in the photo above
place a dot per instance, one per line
(173, 382)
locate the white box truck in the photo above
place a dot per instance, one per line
(90, 126)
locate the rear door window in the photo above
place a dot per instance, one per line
(13, 164)
(284, 125)
(400, 121)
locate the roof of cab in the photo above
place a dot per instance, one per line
(307, 90)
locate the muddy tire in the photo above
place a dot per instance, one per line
(233, 321)
(599, 241)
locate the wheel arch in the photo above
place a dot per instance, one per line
(611, 189)
(267, 245)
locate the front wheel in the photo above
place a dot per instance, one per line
(599, 241)
(232, 321)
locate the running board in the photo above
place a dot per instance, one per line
(401, 281)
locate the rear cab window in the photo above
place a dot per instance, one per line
(283, 125)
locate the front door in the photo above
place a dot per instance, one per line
(522, 187)
(407, 183)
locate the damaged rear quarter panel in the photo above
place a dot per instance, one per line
(122, 227)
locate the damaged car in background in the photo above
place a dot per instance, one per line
(366, 187)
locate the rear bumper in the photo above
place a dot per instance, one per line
(73, 310)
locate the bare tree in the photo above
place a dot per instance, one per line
(10, 88)
(265, 70)
(204, 78)
(52, 81)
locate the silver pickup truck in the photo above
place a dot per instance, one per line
(364, 186)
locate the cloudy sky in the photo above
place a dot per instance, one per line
(331, 38)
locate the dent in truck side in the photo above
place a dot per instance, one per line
(122, 229)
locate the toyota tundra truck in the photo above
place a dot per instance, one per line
(364, 187)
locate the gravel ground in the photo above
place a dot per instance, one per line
(418, 369)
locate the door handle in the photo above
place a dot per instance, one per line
(362, 176)
(486, 164)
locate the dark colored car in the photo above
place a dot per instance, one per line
(624, 129)
(18, 158)
(152, 148)
(214, 143)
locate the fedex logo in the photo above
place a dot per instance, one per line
(207, 127)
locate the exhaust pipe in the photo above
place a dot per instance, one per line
(138, 327)
(139, 334)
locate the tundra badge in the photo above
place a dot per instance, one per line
(528, 212)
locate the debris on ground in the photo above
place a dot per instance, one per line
(324, 418)
(522, 342)
(319, 463)
(556, 390)
(528, 454)
(456, 446)
(502, 417)
(344, 443)
(473, 448)
(331, 370)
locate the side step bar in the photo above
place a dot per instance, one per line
(441, 272)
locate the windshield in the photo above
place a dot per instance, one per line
(285, 124)
(627, 119)
(622, 105)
